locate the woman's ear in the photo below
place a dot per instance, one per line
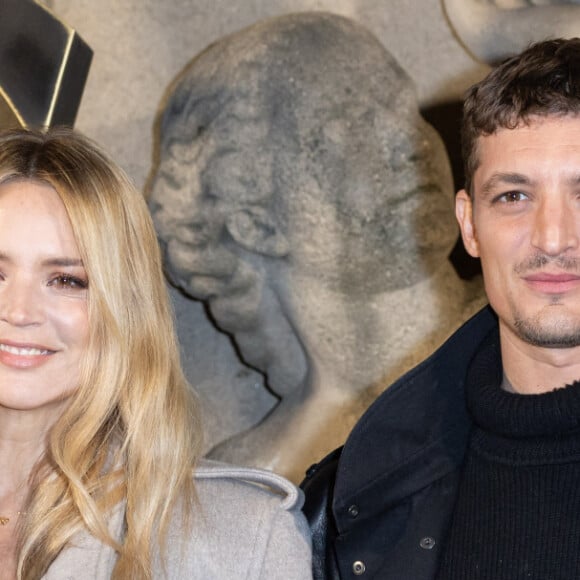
(464, 215)
(256, 231)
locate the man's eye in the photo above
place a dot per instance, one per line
(66, 281)
(511, 197)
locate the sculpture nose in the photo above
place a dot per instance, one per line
(180, 211)
(194, 232)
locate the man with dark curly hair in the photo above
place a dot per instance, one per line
(469, 466)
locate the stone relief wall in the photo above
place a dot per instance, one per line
(140, 48)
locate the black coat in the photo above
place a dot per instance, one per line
(380, 507)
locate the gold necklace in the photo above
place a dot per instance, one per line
(5, 520)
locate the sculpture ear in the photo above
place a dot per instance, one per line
(256, 231)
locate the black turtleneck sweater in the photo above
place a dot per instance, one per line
(517, 514)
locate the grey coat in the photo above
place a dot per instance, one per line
(248, 526)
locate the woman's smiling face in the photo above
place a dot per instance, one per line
(43, 299)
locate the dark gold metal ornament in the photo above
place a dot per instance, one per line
(43, 67)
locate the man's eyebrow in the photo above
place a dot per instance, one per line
(498, 179)
(504, 179)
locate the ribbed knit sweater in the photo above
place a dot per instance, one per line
(517, 514)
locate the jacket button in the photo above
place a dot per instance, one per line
(359, 568)
(353, 511)
(427, 543)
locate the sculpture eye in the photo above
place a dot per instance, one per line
(168, 176)
(406, 149)
(182, 151)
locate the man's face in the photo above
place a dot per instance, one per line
(524, 223)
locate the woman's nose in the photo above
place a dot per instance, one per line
(20, 304)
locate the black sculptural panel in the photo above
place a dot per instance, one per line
(43, 66)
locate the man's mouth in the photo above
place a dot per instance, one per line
(545, 277)
(553, 283)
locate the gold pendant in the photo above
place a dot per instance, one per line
(3, 520)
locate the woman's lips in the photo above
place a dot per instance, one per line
(23, 356)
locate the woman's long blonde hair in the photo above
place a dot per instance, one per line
(131, 430)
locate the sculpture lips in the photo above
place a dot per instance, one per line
(201, 287)
(200, 272)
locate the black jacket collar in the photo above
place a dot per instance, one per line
(426, 409)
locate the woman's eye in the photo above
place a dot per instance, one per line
(66, 281)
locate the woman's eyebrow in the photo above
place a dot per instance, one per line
(62, 262)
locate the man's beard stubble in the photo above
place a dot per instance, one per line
(531, 329)
(535, 333)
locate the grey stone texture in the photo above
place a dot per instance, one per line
(346, 344)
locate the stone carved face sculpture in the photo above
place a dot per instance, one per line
(297, 144)
(297, 187)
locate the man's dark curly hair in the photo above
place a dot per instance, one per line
(542, 80)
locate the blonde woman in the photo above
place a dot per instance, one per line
(99, 432)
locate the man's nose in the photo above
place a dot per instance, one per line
(556, 227)
(20, 304)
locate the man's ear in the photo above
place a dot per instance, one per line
(256, 231)
(464, 215)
